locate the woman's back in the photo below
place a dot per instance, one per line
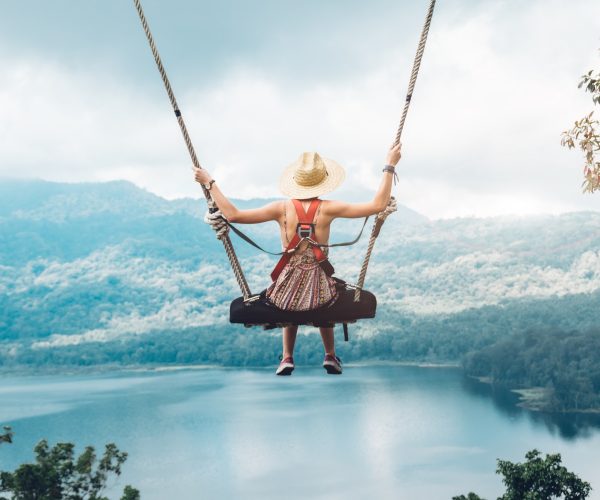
(289, 221)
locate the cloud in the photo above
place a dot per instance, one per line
(163, 295)
(180, 313)
(498, 85)
(479, 279)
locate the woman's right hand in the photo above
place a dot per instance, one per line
(393, 156)
(201, 176)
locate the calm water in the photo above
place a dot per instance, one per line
(392, 431)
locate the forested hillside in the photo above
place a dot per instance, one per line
(564, 366)
(109, 273)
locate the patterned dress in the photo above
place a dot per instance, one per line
(302, 285)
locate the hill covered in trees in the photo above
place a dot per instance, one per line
(111, 274)
(563, 366)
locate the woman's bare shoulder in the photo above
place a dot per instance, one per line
(277, 207)
(329, 207)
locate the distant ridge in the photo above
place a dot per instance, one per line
(99, 262)
(58, 201)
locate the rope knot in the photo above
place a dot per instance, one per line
(218, 222)
(392, 206)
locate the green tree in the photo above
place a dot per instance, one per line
(537, 479)
(130, 493)
(585, 135)
(541, 479)
(58, 475)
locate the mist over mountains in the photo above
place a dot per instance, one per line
(110, 266)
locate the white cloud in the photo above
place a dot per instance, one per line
(178, 313)
(498, 85)
(167, 301)
(479, 279)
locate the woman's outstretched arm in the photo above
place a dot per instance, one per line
(270, 211)
(382, 197)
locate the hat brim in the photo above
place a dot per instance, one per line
(335, 176)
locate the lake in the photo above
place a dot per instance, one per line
(386, 431)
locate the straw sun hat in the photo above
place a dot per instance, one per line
(311, 176)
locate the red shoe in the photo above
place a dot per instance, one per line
(332, 364)
(286, 367)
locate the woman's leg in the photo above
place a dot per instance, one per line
(328, 340)
(331, 363)
(289, 340)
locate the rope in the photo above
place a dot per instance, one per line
(224, 237)
(379, 220)
(415, 69)
(217, 221)
(411, 87)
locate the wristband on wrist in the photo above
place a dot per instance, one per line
(209, 185)
(392, 170)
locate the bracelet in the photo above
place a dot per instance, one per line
(209, 185)
(392, 170)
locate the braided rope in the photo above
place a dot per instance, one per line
(415, 69)
(217, 221)
(379, 220)
(411, 87)
(229, 250)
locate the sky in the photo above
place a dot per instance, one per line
(260, 82)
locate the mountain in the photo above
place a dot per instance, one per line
(98, 266)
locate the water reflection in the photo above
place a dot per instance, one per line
(569, 426)
(388, 431)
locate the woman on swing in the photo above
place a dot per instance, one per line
(300, 281)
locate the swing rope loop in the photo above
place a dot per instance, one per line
(380, 219)
(217, 221)
(222, 236)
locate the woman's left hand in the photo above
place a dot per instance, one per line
(394, 154)
(202, 176)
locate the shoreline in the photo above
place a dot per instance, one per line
(532, 399)
(158, 368)
(535, 399)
